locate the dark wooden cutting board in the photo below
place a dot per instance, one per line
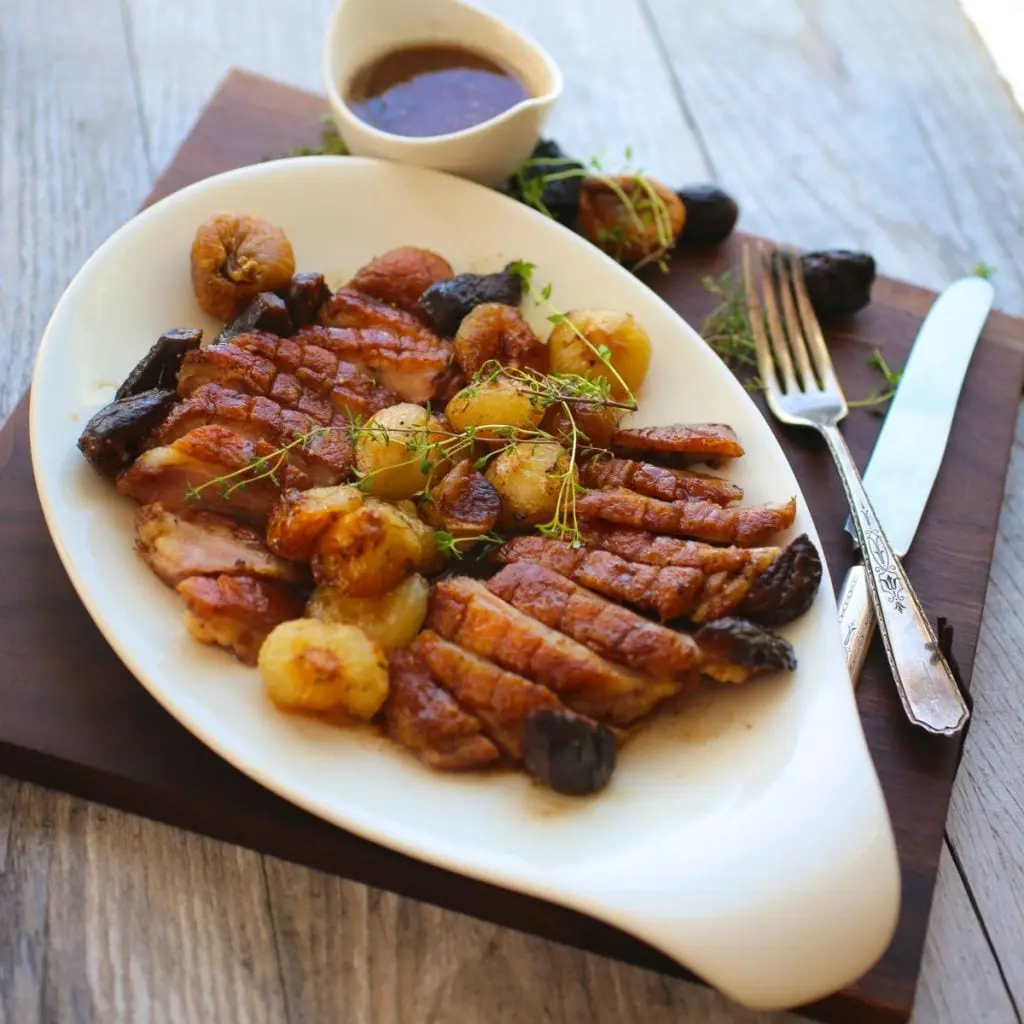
(72, 717)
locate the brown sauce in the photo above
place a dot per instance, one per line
(432, 90)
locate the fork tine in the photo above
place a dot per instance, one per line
(812, 329)
(775, 332)
(765, 365)
(794, 329)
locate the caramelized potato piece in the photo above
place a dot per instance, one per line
(497, 403)
(627, 343)
(464, 503)
(309, 665)
(528, 477)
(393, 454)
(401, 276)
(299, 517)
(498, 333)
(234, 258)
(392, 620)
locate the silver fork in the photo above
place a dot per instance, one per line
(793, 349)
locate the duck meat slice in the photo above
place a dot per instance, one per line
(466, 613)
(348, 307)
(325, 455)
(502, 700)
(189, 474)
(671, 592)
(659, 481)
(746, 526)
(423, 717)
(238, 612)
(680, 444)
(413, 366)
(176, 545)
(607, 628)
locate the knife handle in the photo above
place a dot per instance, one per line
(928, 690)
(856, 620)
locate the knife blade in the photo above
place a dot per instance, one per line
(911, 445)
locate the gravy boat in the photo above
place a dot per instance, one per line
(360, 31)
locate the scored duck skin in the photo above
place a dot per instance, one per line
(325, 456)
(424, 718)
(466, 613)
(746, 526)
(606, 628)
(671, 592)
(190, 543)
(351, 308)
(679, 444)
(308, 379)
(659, 481)
(186, 475)
(502, 700)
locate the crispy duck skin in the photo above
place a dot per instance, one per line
(173, 474)
(466, 613)
(747, 526)
(426, 719)
(178, 545)
(413, 366)
(326, 457)
(238, 612)
(680, 444)
(502, 700)
(669, 591)
(293, 374)
(659, 481)
(606, 628)
(351, 308)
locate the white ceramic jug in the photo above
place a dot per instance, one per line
(363, 30)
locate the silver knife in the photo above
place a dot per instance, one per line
(911, 445)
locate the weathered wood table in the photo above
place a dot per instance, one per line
(881, 125)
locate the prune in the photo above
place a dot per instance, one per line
(496, 332)
(304, 296)
(786, 589)
(839, 281)
(711, 214)
(561, 198)
(630, 233)
(738, 642)
(444, 305)
(115, 435)
(159, 367)
(234, 258)
(267, 312)
(569, 753)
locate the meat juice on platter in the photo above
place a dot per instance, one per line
(405, 507)
(429, 90)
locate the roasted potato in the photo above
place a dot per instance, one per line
(309, 665)
(464, 504)
(392, 620)
(498, 403)
(401, 276)
(299, 517)
(392, 453)
(494, 331)
(528, 477)
(371, 549)
(628, 349)
(648, 225)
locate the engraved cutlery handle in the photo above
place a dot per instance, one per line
(927, 688)
(856, 620)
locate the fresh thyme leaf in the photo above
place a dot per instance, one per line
(726, 329)
(331, 143)
(983, 270)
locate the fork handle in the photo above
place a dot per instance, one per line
(924, 681)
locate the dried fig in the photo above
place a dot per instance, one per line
(649, 222)
(494, 332)
(401, 276)
(234, 258)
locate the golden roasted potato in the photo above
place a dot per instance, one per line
(371, 549)
(627, 344)
(528, 477)
(495, 332)
(392, 453)
(650, 223)
(309, 665)
(299, 517)
(464, 504)
(498, 402)
(401, 276)
(392, 620)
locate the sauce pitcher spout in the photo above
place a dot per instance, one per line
(438, 84)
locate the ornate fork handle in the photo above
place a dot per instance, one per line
(925, 683)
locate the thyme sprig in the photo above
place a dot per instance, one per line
(881, 395)
(455, 547)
